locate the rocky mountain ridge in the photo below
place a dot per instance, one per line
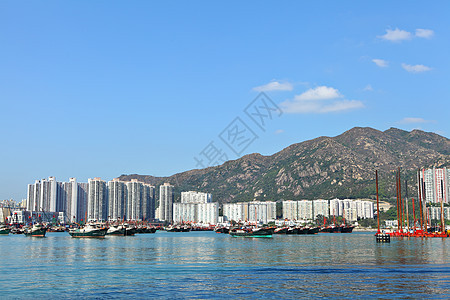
(326, 167)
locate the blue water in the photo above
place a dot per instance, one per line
(210, 265)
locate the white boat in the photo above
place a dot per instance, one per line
(89, 230)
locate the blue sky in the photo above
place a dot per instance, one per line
(104, 88)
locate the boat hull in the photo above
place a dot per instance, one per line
(281, 230)
(265, 233)
(120, 232)
(90, 234)
(36, 233)
(5, 231)
(314, 230)
(130, 231)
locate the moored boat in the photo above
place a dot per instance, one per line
(251, 232)
(347, 228)
(313, 230)
(37, 230)
(117, 230)
(222, 229)
(281, 230)
(4, 230)
(89, 231)
(292, 230)
(302, 230)
(130, 230)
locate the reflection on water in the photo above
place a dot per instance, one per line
(206, 265)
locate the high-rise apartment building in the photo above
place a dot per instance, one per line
(97, 200)
(435, 185)
(134, 200)
(117, 199)
(42, 195)
(305, 210)
(148, 202)
(206, 213)
(82, 201)
(195, 197)
(166, 202)
(71, 200)
(320, 207)
(290, 210)
(254, 211)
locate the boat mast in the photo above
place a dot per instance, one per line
(424, 201)
(378, 201)
(414, 216)
(442, 207)
(406, 204)
(419, 190)
(400, 197)
(398, 203)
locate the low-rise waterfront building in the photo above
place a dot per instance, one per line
(255, 211)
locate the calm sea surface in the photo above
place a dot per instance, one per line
(210, 265)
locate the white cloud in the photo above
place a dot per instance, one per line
(424, 33)
(368, 88)
(380, 62)
(279, 131)
(415, 68)
(396, 35)
(319, 93)
(414, 121)
(321, 100)
(342, 105)
(274, 86)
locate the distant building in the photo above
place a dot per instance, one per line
(97, 200)
(436, 183)
(435, 213)
(237, 212)
(148, 202)
(207, 213)
(305, 210)
(82, 201)
(351, 210)
(254, 211)
(134, 200)
(320, 207)
(166, 202)
(20, 217)
(71, 200)
(42, 195)
(195, 197)
(117, 199)
(290, 210)
(336, 207)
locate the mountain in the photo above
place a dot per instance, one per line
(326, 167)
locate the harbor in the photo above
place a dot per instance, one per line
(175, 265)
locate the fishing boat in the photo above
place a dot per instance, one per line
(222, 229)
(302, 230)
(292, 230)
(251, 232)
(146, 229)
(281, 230)
(347, 228)
(130, 230)
(37, 230)
(117, 230)
(312, 230)
(4, 230)
(89, 231)
(150, 229)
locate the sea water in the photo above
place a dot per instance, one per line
(211, 265)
